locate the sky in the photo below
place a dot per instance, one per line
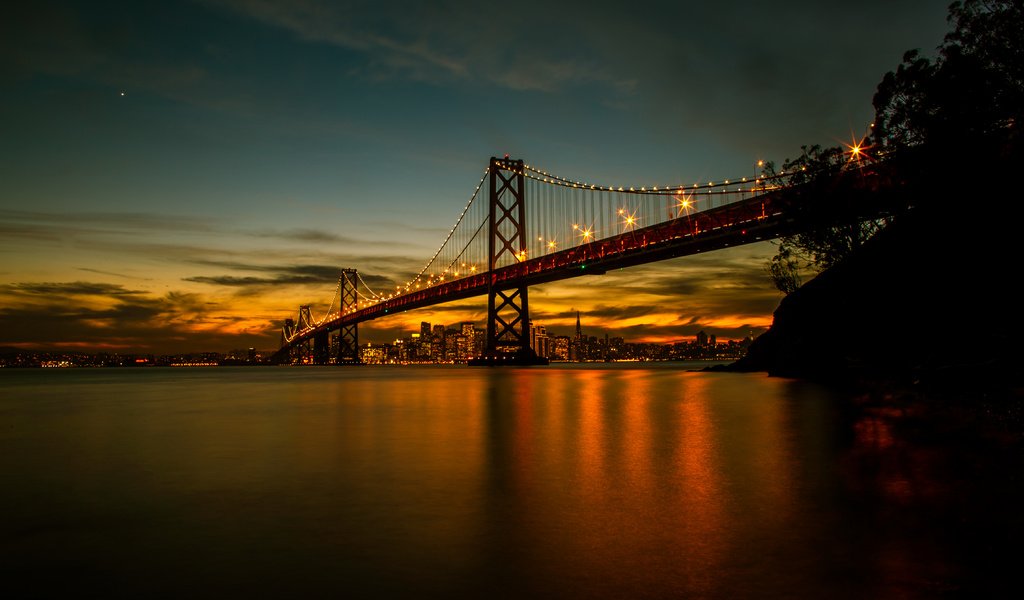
(181, 176)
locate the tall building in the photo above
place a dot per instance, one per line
(539, 340)
(438, 346)
(463, 347)
(560, 348)
(451, 347)
(578, 348)
(702, 338)
(470, 333)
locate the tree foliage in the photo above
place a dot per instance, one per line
(974, 87)
(817, 247)
(971, 93)
(784, 270)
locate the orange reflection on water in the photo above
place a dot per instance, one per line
(890, 466)
(524, 450)
(640, 468)
(895, 473)
(700, 492)
(588, 389)
(770, 456)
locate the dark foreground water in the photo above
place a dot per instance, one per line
(614, 482)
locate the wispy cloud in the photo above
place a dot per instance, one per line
(350, 26)
(322, 236)
(97, 315)
(75, 288)
(445, 42)
(109, 273)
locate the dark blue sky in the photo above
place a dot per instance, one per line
(277, 140)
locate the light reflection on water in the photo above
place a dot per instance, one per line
(445, 482)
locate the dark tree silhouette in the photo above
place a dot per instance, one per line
(971, 95)
(973, 89)
(784, 270)
(822, 243)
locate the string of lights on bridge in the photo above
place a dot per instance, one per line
(684, 195)
(696, 189)
(625, 217)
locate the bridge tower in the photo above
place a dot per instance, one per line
(321, 347)
(302, 352)
(508, 307)
(286, 331)
(348, 335)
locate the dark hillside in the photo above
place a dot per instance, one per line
(935, 298)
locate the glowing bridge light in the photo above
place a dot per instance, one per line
(551, 244)
(683, 205)
(628, 219)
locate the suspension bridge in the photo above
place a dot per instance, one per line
(524, 226)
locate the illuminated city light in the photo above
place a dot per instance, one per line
(628, 219)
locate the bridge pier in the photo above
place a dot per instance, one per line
(508, 308)
(302, 353)
(348, 335)
(321, 348)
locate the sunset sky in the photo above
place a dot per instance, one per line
(181, 176)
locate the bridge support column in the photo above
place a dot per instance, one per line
(305, 351)
(286, 331)
(348, 335)
(508, 308)
(302, 353)
(321, 348)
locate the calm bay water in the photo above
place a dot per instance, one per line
(609, 482)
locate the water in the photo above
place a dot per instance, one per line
(609, 482)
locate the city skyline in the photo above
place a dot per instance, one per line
(465, 341)
(185, 176)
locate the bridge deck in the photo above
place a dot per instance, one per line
(755, 219)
